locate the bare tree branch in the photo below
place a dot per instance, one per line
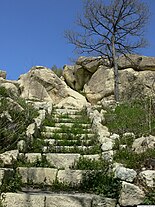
(107, 29)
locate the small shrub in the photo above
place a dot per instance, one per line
(131, 159)
(88, 164)
(101, 182)
(149, 198)
(57, 71)
(4, 92)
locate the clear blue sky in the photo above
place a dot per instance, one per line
(32, 33)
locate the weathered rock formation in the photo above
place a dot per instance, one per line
(42, 84)
(95, 77)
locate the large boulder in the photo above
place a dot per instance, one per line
(100, 85)
(137, 62)
(125, 174)
(132, 84)
(141, 144)
(95, 77)
(76, 76)
(147, 177)
(42, 84)
(89, 63)
(130, 195)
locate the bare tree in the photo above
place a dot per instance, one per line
(110, 30)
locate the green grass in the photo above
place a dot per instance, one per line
(20, 119)
(133, 160)
(136, 116)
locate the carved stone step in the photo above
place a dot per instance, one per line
(67, 116)
(32, 199)
(47, 176)
(84, 126)
(70, 142)
(66, 111)
(55, 159)
(59, 129)
(64, 135)
(62, 160)
(70, 120)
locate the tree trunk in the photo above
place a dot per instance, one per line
(116, 75)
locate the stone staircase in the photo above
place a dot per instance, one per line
(47, 168)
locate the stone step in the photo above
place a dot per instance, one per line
(72, 149)
(64, 135)
(56, 160)
(65, 130)
(66, 116)
(70, 120)
(67, 148)
(70, 142)
(84, 126)
(66, 111)
(73, 142)
(35, 176)
(62, 160)
(48, 199)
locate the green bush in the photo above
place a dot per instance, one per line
(101, 182)
(149, 198)
(4, 92)
(57, 71)
(88, 164)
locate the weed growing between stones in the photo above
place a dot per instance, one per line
(49, 121)
(58, 186)
(149, 198)
(11, 183)
(101, 182)
(39, 162)
(98, 177)
(90, 164)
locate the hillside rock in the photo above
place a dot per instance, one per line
(9, 156)
(96, 78)
(42, 84)
(125, 174)
(100, 85)
(91, 64)
(136, 62)
(130, 195)
(141, 144)
(76, 76)
(133, 84)
(148, 177)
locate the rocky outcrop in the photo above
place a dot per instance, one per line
(141, 144)
(100, 85)
(95, 77)
(42, 84)
(130, 195)
(137, 62)
(76, 76)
